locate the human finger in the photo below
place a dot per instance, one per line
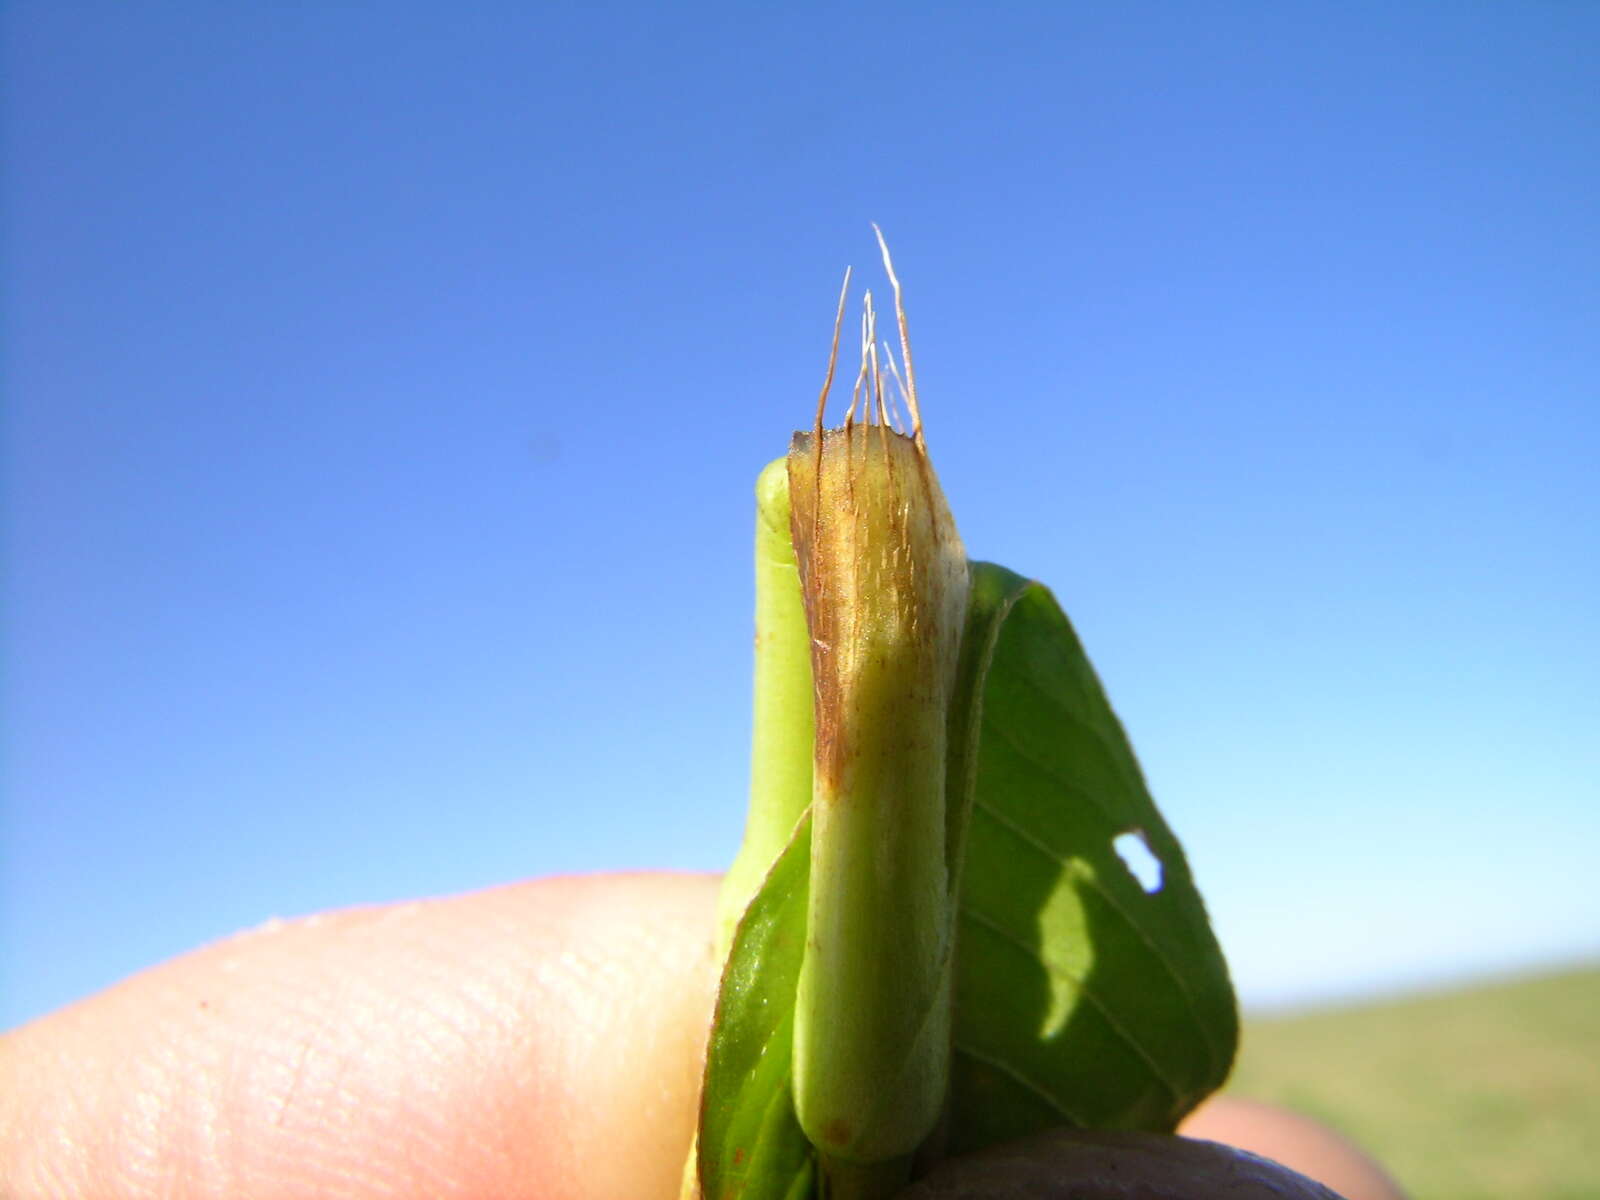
(538, 1040)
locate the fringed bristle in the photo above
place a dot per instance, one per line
(891, 403)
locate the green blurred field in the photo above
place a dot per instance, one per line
(1487, 1091)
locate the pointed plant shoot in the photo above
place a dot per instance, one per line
(885, 584)
(932, 940)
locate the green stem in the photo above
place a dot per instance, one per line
(781, 737)
(885, 584)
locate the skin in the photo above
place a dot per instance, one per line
(539, 1040)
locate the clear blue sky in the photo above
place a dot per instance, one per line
(385, 385)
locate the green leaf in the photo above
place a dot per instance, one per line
(1081, 998)
(751, 1145)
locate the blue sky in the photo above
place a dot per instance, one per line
(385, 385)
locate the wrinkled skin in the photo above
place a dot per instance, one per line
(541, 1040)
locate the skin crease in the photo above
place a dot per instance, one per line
(538, 1040)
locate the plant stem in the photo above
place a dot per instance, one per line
(885, 583)
(781, 736)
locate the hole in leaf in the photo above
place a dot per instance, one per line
(1137, 857)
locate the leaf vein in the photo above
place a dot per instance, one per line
(1117, 748)
(1063, 1110)
(1071, 866)
(1047, 770)
(1055, 967)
